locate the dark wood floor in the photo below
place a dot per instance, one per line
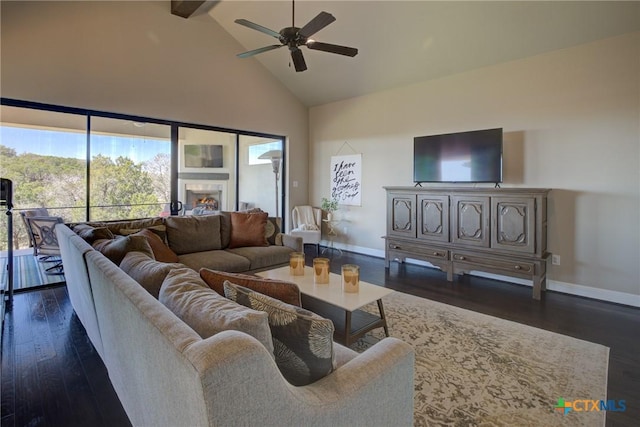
(52, 376)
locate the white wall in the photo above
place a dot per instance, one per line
(137, 58)
(571, 122)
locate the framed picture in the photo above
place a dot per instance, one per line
(202, 156)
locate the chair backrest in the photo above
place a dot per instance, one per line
(43, 227)
(298, 215)
(28, 213)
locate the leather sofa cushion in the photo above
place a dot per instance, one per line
(248, 229)
(116, 249)
(208, 313)
(189, 234)
(146, 271)
(287, 292)
(302, 340)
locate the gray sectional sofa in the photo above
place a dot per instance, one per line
(165, 374)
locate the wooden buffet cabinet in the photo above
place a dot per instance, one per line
(498, 230)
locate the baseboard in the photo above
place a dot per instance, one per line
(552, 285)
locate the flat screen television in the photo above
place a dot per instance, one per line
(203, 156)
(474, 156)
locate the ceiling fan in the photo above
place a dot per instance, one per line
(294, 37)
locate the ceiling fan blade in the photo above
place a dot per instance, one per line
(316, 24)
(257, 27)
(298, 60)
(333, 48)
(257, 51)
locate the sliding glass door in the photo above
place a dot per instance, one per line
(260, 180)
(129, 169)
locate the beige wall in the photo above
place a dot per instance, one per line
(571, 122)
(137, 58)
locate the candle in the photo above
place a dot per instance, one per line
(296, 264)
(321, 271)
(350, 278)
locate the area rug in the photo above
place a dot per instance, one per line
(477, 370)
(28, 272)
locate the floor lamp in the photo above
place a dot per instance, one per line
(276, 157)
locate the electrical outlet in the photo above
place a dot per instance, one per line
(555, 259)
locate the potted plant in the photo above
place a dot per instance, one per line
(330, 206)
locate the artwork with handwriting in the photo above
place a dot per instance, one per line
(346, 179)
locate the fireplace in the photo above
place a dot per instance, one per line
(204, 195)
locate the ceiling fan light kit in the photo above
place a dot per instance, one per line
(294, 37)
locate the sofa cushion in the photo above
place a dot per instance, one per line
(263, 256)
(90, 234)
(302, 340)
(215, 260)
(189, 234)
(207, 312)
(146, 271)
(116, 249)
(161, 252)
(247, 229)
(287, 292)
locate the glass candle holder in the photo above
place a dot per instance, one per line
(321, 271)
(350, 278)
(296, 264)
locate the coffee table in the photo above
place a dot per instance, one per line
(342, 308)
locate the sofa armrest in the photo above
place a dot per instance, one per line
(290, 241)
(374, 388)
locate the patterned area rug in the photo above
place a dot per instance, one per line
(477, 370)
(28, 272)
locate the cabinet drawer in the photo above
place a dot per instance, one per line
(512, 266)
(421, 251)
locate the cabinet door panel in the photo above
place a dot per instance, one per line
(470, 220)
(433, 218)
(514, 225)
(401, 215)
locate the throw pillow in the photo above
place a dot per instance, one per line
(146, 271)
(189, 234)
(91, 234)
(206, 312)
(287, 292)
(161, 252)
(116, 249)
(247, 229)
(271, 230)
(160, 230)
(302, 340)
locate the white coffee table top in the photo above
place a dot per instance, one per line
(331, 293)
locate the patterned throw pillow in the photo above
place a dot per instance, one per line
(271, 230)
(302, 340)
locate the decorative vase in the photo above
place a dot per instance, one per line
(329, 216)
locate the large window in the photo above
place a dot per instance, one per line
(87, 165)
(130, 169)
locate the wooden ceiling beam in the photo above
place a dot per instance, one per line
(185, 8)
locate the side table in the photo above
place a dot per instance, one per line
(332, 233)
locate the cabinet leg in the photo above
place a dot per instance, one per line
(538, 287)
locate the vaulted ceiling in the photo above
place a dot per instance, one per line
(405, 42)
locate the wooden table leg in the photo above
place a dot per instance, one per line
(383, 317)
(347, 328)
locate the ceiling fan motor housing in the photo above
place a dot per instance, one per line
(289, 36)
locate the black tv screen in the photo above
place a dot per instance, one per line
(203, 156)
(474, 156)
